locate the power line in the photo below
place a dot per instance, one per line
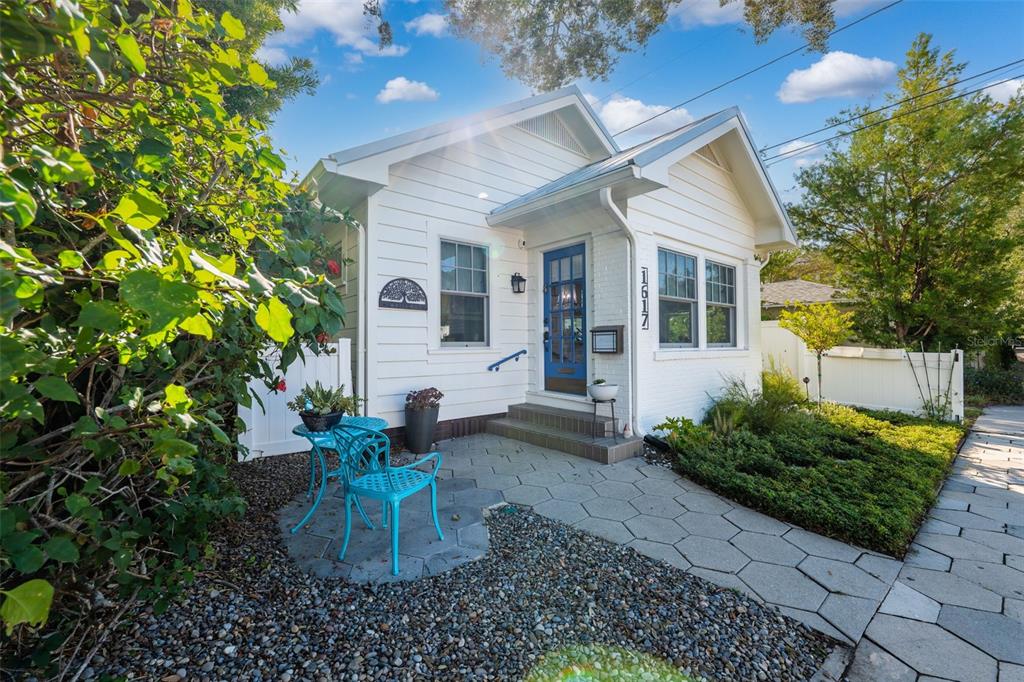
(784, 156)
(894, 104)
(756, 69)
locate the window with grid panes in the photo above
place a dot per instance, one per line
(464, 297)
(720, 293)
(677, 299)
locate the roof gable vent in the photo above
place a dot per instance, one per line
(708, 154)
(550, 127)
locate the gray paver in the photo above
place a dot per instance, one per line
(873, 664)
(479, 498)
(906, 602)
(748, 519)
(724, 579)
(931, 650)
(939, 527)
(883, 568)
(958, 548)
(922, 557)
(626, 472)
(843, 578)
(474, 537)
(662, 552)
(1008, 672)
(619, 490)
(966, 519)
(610, 508)
(996, 577)
(993, 633)
(655, 528)
(526, 494)
(574, 492)
(818, 545)
(665, 487)
(707, 525)
(657, 505)
(604, 528)
(717, 555)
(701, 502)
(850, 614)
(770, 549)
(496, 481)
(1014, 608)
(783, 585)
(999, 541)
(947, 588)
(561, 510)
(812, 620)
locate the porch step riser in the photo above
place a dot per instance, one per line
(563, 420)
(603, 450)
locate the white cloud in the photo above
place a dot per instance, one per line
(343, 19)
(694, 13)
(1003, 92)
(272, 56)
(837, 74)
(794, 146)
(428, 25)
(402, 89)
(620, 113)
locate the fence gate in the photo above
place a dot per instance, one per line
(269, 429)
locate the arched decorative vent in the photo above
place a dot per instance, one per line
(550, 127)
(708, 154)
(404, 294)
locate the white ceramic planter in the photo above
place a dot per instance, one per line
(603, 392)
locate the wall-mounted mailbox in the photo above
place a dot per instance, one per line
(606, 339)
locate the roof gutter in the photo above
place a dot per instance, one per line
(603, 181)
(609, 205)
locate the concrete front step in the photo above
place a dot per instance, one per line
(573, 421)
(600, 449)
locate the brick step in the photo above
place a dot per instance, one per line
(600, 449)
(573, 421)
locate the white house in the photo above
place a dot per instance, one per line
(654, 245)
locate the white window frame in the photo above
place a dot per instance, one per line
(486, 295)
(733, 307)
(695, 301)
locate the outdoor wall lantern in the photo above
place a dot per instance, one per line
(518, 284)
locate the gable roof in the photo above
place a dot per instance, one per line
(778, 294)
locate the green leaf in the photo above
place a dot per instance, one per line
(62, 164)
(141, 208)
(274, 318)
(257, 74)
(70, 259)
(232, 26)
(27, 603)
(28, 560)
(198, 325)
(131, 52)
(165, 302)
(272, 161)
(102, 315)
(60, 548)
(16, 203)
(56, 388)
(175, 396)
(129, 467)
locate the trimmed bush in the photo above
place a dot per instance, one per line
(994, 386)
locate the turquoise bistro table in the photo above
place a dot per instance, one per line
(325, 440)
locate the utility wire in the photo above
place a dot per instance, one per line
(894, 104)
(779, 158)
(756, 69)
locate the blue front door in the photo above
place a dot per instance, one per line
(565, 320)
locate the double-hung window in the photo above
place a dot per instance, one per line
(677, 299)
(720, 295)
(464, 299)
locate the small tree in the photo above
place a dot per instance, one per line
(821, 326)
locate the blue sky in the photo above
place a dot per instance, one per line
(428, 76)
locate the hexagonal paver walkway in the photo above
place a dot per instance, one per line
(460, 510)
(829, 585)
(956, 610)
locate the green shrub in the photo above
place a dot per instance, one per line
(832, 470)
(994, 386)
(761, 411)
(682, 434)
(780, 387)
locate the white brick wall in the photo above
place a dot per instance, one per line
(609, 263)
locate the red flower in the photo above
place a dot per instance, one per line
(321, 337)
(334, 268)
(281, 385)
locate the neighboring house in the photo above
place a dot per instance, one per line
(656, 243)
(777, 296)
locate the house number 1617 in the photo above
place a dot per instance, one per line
(645, 313)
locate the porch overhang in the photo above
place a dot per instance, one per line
(337, 187)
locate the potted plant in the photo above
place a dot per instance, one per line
(602, 391)
(421, 408)
(321, 408)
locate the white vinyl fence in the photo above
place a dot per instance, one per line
(269, 429)
(877, 378)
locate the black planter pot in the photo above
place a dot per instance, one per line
(321, 422)
(419, 429)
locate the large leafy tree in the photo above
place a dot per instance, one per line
(547, 43)
(914, 207)
(150, 253)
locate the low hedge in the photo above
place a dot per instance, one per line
(994, 386)
(830, 469)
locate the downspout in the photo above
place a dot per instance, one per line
(605, 194)
(363, 293)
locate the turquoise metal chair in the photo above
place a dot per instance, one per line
(367, 472)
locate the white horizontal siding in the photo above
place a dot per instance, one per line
(447, 193)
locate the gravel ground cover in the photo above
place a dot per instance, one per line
(544, 587)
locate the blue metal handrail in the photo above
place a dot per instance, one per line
(497, 365)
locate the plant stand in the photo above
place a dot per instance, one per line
(615, 429)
